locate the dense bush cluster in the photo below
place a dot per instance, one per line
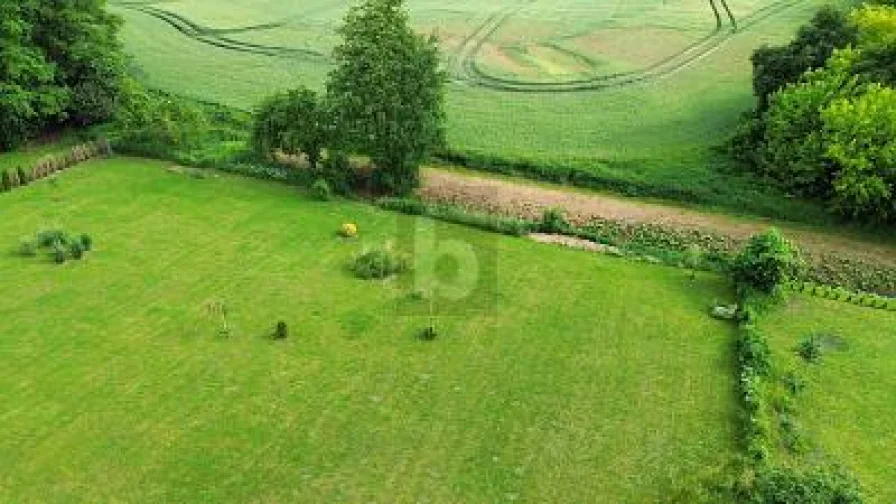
(60, 245)
(60, 63)
(380, 263)
(825, 125)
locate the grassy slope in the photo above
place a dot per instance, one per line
(116, 388)
(657, 133)
(847, 410)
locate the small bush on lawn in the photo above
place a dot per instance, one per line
(766, 263)
(28, 246)
(86, 242)
(428, 333)
(379, 263)
(810, 349)
(321, 190)
(281, 330)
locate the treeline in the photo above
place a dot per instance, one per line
(825, 121)
(60, 64)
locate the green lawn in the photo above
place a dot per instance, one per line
(569, 377)
(847, 409)
(657, 132)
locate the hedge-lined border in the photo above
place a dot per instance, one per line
(15, 177)
(663, 242)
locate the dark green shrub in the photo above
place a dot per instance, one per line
(24, 177)
(810, 348)
(50, 237)
(59, 253)
(321, 190)
(281, 330)
(553, 221)
(784, 485)
(86, 242)
(767, 261)
(76, 250)
(428, 333)
(379, 263)
(338, 172)
(5, 181)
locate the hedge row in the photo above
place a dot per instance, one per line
(663, 242)
(858, 298)
(12, 178)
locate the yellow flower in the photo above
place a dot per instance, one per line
(349, 230)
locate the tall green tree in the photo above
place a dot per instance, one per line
(860, 139)
(294, 122)
(387, 92)
(775, 67)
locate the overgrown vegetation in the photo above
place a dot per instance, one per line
(60, 64)
(829, 87)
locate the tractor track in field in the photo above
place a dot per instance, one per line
(217, 37)
(466, 70)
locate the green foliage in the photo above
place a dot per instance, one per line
(766, 263)
(553, 220)
(5, 181)
(60, 62)
(86, 242)
(379, 263)
(294, 122)
(810, 348)
(76, 250)
(48, 237)
(775, 67)
(338, 172)
(321, 190)
(148, 122)
(794, 143)
(782, 485)
(281, 330)
(428, 333)
(59, 256)
(865, 183)
(386, 92)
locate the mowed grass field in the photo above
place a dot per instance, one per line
(846, 411)
(658, 129)
(117, 388)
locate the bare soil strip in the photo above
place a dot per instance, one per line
(520, 199)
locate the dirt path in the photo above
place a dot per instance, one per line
(528, 200)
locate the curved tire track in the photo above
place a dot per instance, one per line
(214, 36)
(468, 71)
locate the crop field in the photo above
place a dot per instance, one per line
(117, 386)
(846, 409)
(630, 89)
